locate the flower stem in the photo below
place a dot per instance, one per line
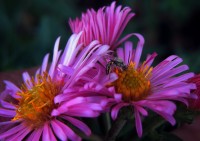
(118, 124)
(115, 129)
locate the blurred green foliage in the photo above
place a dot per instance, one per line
(29, 28)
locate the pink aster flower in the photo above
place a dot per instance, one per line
(35, 112)
(106, 25)
(140, 85)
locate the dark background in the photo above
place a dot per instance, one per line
(29, 28)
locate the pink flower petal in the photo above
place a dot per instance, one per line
(65, 97)
(27, 79)
(12, 131)
(106, 25)
(19, 135)
(140, 109)
(69, 49)
(7, 113)
(138, 123)
(178, 79)
(47, 134)
(79, 124)
(65, 69)
(70, 134)
(35, 135)
(123, 39)
(8, 122)
(11, 86)
(7, 105)
(120, 53)
(128, 52)
(58, 130)
(166, 68)
(173, 72)
(116, 109)
(56, 55)
(150, 59)
(82, 112)
(44, 63)
(139, 49)
(164, 108)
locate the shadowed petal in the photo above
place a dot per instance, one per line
(138, 123)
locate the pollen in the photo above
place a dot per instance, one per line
(36, 103)
(133, 84)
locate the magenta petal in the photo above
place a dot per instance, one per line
(7, 105)
(95, 99)
(120, 53)
(65, 69)
(19, 135)
(178, 79)
(79, 124)
(58, 130)
(11, 86)
(89, 106)
(138, 123)
(27, 79)
(105, 25)
(116, 109)
(102, 49)
(44, 63)
(128, 52)
(139, 49)
(71, 135)
(118, 97)
(123, 39)
(35, 135)
(69, 49)
(164, 108)
(12, 131)
(56, 55)
(67, 95)
(23, 135)
(8, 122)
(150, 59)
(108, 79)
(72, 102)
(167, 75)
(55, 112)
(47, 134)
(166, 68)
(141, 110)
(82, 112)
(7, 113)
(64, 107)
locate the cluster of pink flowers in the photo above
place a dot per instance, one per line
(87, 79)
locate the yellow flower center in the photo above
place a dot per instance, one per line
(133, 84)
(35, 104)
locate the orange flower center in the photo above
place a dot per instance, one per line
(35, 104)
(133, 84)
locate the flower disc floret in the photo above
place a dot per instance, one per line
(133, 84)
(35, 104)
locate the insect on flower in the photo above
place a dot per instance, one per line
(142, 85)
(116, 62)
